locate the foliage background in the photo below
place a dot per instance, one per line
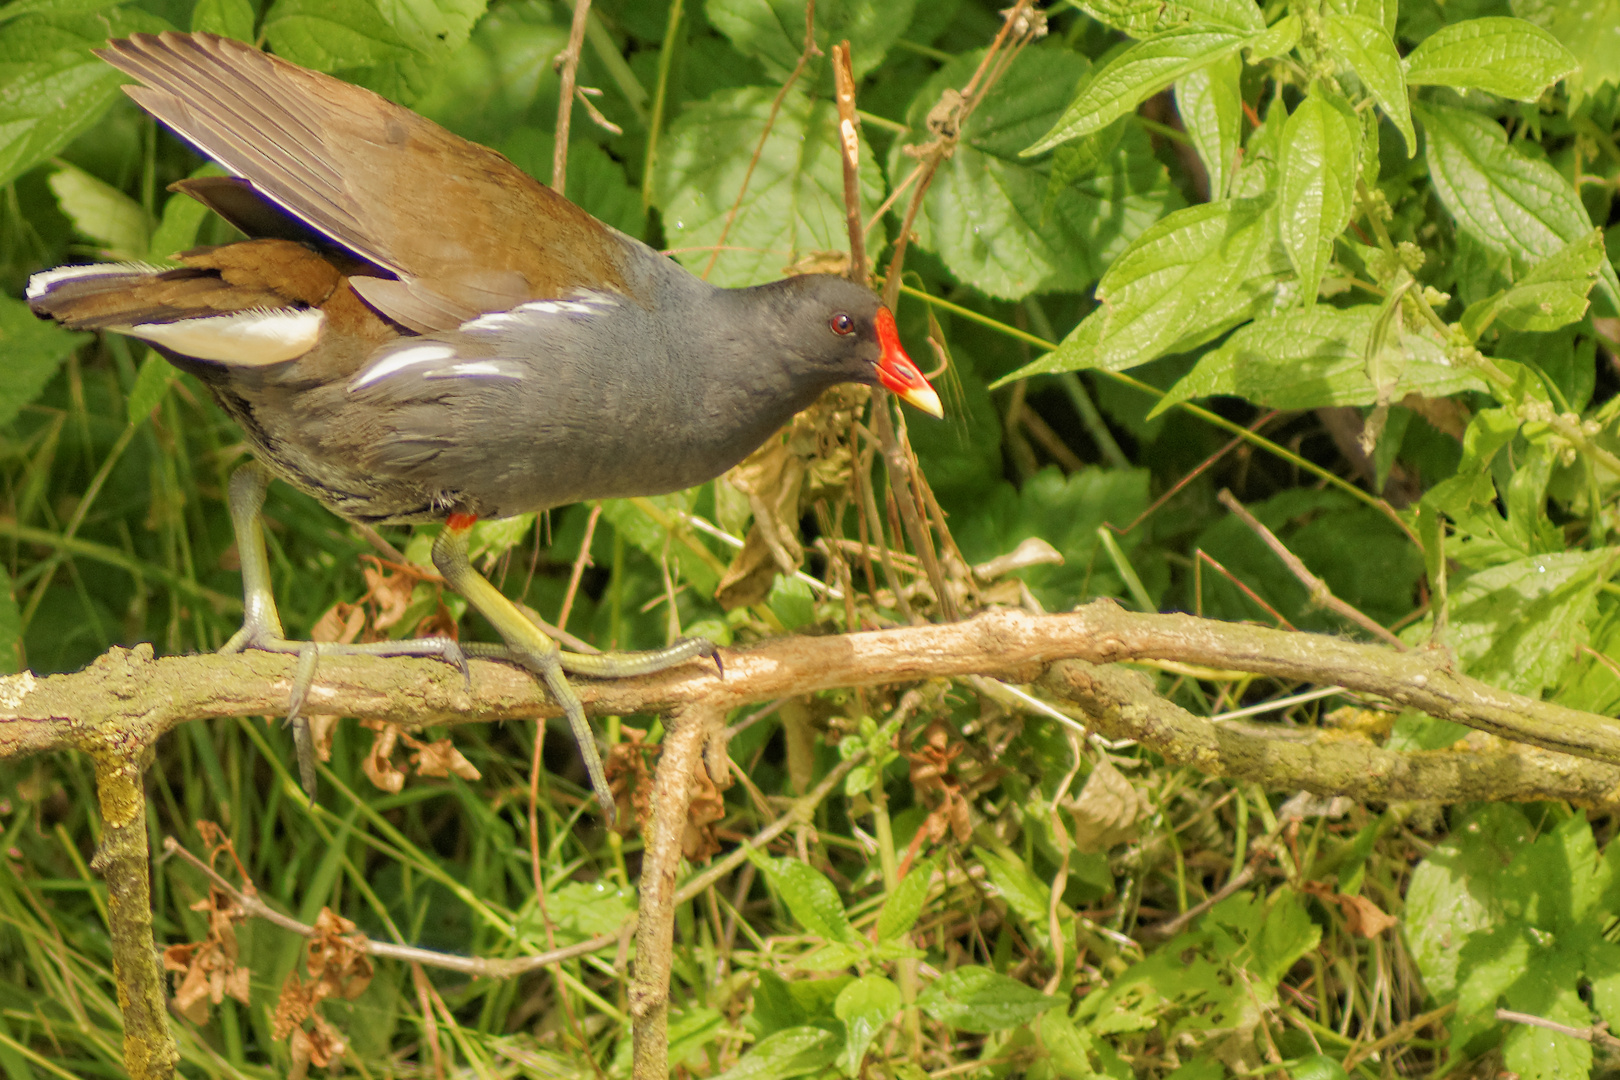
(1344, 218)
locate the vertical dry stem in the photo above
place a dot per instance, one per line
(661, 859)
(565, 98)
(124, 860)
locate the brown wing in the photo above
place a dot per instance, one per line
(465, 230)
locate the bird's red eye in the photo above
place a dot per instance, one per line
(841, 324)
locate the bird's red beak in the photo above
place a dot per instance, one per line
(896, 371)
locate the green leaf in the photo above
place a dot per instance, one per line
(1011, 226)
(1317, 188)
(1517, 625)
(51, 88)
(1510, 57)
(33, 350)
(1506, 201)
(1066, 512)
(182, 217)
(652, 534)
(792, 1052)
(865, 1006)
(1028, 896)
(1280, 38)
(1317, 1067)
(978, 999)
(1067, 1046)
(1366, 48)
(773, 30)
(1192, 276)
(1210, 104)
(905, 903)
(1138, 73)
(812, 899)
(794, 202)
(1587, 28)
(392, 49)
(1283, 936)
(230, 18)
(103, 213)
(1551, 295)
(1143, 18)
(1380, 12)
(151, 383)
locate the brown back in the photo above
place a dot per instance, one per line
(465, 230)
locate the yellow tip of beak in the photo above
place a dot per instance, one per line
(924, 398)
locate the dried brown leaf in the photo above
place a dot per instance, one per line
(1107, 810)
(378, 765)
(440, 758)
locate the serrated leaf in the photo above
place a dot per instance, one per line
(1517, 625)
(1135, 75)
(1280, 37)
(812, 900)
(1381, 12)
(978, 999)
(51, 87)
(103, 213)
(772, 31)
(1508, 202)
(905, 903)
(151, 383)
(1211, 107)
(392, 49)
(1316, 191)
(1011, 226)
(865, 1006)
(1192, 276)
(1143, 18)
(788, 1053)
(1590, 30)
(33, 350)
(1366, 48)
(1551, 295)
(1510, 57)
(793, 205)
(1313, 359)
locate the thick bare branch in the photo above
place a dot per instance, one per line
(127, 698)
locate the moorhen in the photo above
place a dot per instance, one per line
(417, 331)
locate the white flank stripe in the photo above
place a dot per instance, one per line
(480, 369)
(250, 338)
(44, 281)
(399, 360)
(494, 321)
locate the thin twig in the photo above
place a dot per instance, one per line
(1399, 1036)
(1595, 1033)
(565, 95)
(475, 966)
(1321, 595)
(849, 142)
(581, 561)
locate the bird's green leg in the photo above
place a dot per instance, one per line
(528, 645)
(261, 625)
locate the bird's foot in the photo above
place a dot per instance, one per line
(267, 638)
(608, 665)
